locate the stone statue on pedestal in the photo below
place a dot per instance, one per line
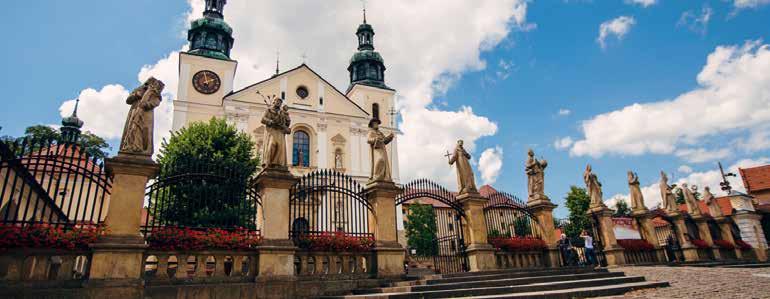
(711, 202)
(138, 131)
(594, 187)
(378, 141)
(535, 170)
(667, 194)
(637, 199)
(466, 183)
(689, 198)
(277, 125)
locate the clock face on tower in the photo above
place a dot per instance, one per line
(206, 82)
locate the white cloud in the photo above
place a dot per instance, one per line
(750, 3)
(710, 178)
(563, 143)
(102, 111)
(564, 112)
(733, 96)
(422, 59)
(701, 155)
(617, 27)
(758, 140)
(684, 169)
(643, 3)
(697, 23)
(490, 164)
(505, 68)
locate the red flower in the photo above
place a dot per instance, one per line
(337, 241)
(700, 244)
(635, 245)
(743, 245)
(176, 238)
(42, 235)
(518, 243)
(724, 244)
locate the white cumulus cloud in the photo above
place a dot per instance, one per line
(684, 169)
(617, 27)
(700, 155)
(563, 143)
(490, 164)
(643, 3)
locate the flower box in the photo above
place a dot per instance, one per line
(724, 244)
(743, 245)
(518, 244)
(188, 239)
(635, 245)
(700, 244)
(335, 242)
(49, 236)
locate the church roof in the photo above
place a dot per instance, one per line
(756, 178)
(234, 93)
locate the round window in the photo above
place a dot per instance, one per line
(302, 92)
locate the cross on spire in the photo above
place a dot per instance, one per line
(75, 111)
(277, 60)
(363, 3)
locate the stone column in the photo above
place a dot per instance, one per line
(602, 216)
(647, 230)
(117, 256)
(542, 209)
(481, 255)
(705, 235)
(752, 233)
(276, 253)
(726, 232)
(689, 251)
(382, 223)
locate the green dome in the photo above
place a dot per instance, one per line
(366, 55)
(211, 23)
(72, 121)
(365, 27)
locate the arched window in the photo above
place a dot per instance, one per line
(301, 149)
(376, 110)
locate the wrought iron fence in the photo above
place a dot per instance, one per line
(324, 202)
(194, 194)
(53, 182)
(507, 216)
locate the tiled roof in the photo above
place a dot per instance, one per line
(756, 178)
(723, 203)
(487, 190)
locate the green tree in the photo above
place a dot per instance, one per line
(621, 209)
(209, 148)
(421, 229)
(95, 146)
(577, 201)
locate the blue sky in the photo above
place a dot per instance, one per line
(516, 71)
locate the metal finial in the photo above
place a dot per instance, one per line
(75, 111)
(364, 5)
(277, 60)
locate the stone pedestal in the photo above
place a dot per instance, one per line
(382, 223)
(705, 234)
(481, 255)
(276, 253)
(602, 217)
(752, 232)
(542, 209)
(117, 256)
(726, 232)
(647, 231)
(689, 251)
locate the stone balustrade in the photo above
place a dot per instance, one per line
(520, 259)
(170, 267)
(44, 267)
(338, 265)
(638, 257)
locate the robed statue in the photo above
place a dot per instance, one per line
(461, 159)
(378, 142)
(711, 203)
(277, 125)
(667, 194)
(689, 199)
(137, 133)
(637, 199)
(535, 170)
(594, 187)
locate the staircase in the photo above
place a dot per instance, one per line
(518, 283)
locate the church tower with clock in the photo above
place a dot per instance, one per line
(329, 126)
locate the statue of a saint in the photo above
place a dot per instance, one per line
(711, 203)
(689, 199)
(594, 187)
(277, 123)
(380, 162)
(338, 160)
(637, 199)
(137, 133)
(466, 183)
(667, 194)
(535, 170)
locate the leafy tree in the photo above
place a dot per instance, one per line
(95, 146)
(679, 195)
(421, 229)
(224, 157)
(577, 201)
(621, 209)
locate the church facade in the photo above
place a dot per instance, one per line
(329, 125)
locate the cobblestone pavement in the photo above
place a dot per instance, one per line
(698, 282)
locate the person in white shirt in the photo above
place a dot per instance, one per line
(589, 245)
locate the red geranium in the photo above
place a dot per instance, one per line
(337, 241)
(724, 244)
(635, 245)
(177, 238)
(700, 244)
(743, 245)
(518, 243)
(43, 235)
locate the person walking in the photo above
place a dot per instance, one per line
(589, 245)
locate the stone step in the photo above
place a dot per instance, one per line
(496, 292)
(481, 276)
(505, 271)
(752, 265)
(490, 283)
(584, 292)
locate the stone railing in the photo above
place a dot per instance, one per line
(44, 267)
(727, 254)
(341, 265)
(519, 259)
(705, 254)
(748, 254)
(637, 257)
(170, 267)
